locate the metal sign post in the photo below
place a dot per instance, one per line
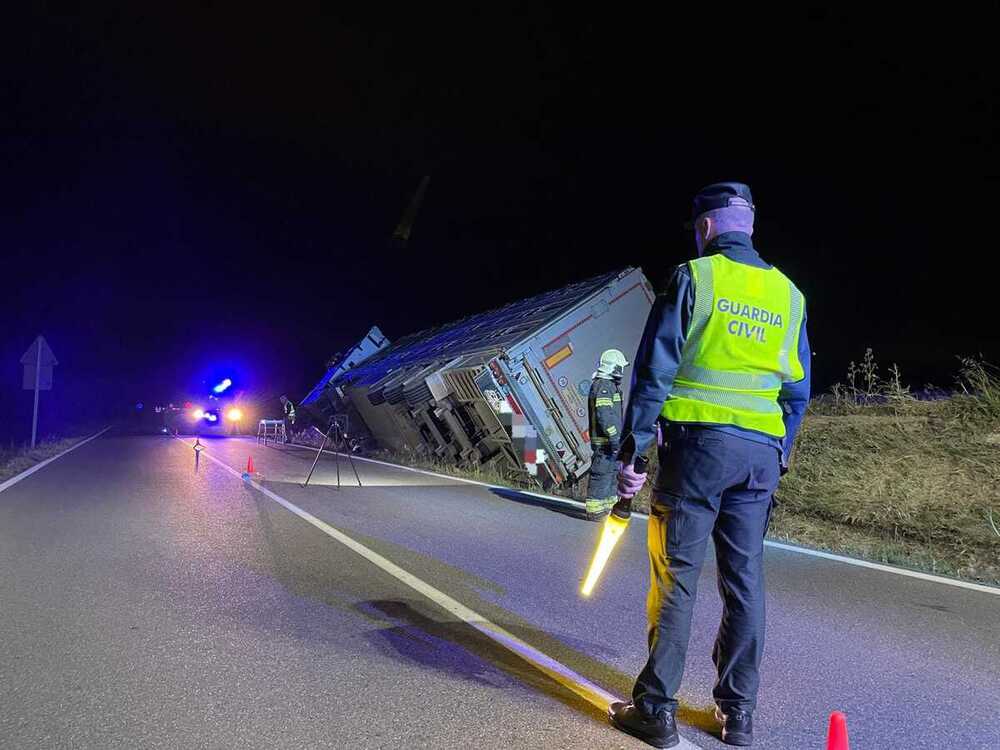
(38, 362)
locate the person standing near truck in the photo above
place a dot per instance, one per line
(723, 372)
(289, 416)
(605, 406)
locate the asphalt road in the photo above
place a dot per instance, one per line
(146, 604)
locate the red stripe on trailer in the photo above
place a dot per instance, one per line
(631, 288)
(514, 406)
(649, 294)
(571, 328)
(584, 320)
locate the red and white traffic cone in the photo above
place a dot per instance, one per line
(836, 738)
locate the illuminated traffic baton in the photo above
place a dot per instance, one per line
(614, 527)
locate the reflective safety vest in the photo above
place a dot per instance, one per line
(742, 344)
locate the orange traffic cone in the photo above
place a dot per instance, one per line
(250, 465)
(836, 738)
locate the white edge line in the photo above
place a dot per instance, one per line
(541, 496)
(882, 567)
(560, 673)
(981, 587)
(42, 464)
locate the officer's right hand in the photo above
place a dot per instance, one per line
(629, 482)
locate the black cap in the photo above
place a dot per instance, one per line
(721, 195)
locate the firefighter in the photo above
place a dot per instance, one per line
(605, 407)
(289, 416)
(722, 373)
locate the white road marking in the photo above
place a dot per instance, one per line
(557, 671)
(882, 567)
(980, 587)
(42, 464)
(541, 496)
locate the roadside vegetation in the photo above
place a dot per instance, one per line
(885, 474)
(879, 472)
(485, 474)
(882, 474)
(891, 476)
(420, 460)
(15, 458)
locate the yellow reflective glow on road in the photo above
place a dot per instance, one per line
(613, 529)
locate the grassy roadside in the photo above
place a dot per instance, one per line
(15, 459)
(882, 475)
(887, 477)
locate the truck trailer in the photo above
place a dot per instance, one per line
(506, 388)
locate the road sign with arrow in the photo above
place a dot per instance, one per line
(38, 362)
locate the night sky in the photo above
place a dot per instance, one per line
(189, 190)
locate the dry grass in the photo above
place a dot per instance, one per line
(17, 458)
(881, 475)
(913, 482)
(418, 460)
(485, 474)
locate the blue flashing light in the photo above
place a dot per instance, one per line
(222, 386)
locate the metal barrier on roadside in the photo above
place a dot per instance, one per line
(271, 428)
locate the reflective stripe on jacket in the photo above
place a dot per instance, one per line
(741, 346)
(605, 408)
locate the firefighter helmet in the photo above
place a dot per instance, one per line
(612, 364)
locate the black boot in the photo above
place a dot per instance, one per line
(658, 731)
(737, 726)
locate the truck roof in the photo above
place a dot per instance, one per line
(486, 333)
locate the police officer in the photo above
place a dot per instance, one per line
(723, 372)
(605, 407)
(289, 416)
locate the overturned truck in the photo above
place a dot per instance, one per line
(505, 389)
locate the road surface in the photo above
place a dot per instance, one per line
(146, 604)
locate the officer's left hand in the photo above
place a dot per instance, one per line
(629, 482)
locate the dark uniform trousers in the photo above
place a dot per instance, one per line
(718, 485)
(603, 481)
